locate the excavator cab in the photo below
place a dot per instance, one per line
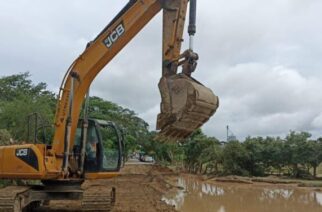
(103, 146)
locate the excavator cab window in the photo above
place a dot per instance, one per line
(103, 149)
(111, 148)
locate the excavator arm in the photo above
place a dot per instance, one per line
(98, 53)
(186, 104)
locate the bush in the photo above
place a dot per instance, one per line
(4, 137)
(235, 159)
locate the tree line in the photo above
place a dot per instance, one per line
(296, 155)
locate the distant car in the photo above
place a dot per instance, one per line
(148, 159)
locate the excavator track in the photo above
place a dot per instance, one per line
(29, 198)
(12, 199)
(98, 200)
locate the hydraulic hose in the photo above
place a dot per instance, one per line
(192, 17)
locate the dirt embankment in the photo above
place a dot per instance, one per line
(139, 188)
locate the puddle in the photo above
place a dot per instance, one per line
(226, 197)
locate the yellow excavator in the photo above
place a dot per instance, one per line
(84, 148)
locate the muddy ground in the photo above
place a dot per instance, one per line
(139, 188)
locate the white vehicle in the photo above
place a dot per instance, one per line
(148, 159)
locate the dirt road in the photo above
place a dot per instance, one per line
(140, 188)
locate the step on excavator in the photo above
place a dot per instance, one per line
(88, 149)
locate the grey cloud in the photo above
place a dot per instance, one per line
(317, 122)
(261, 57)
(260, 100)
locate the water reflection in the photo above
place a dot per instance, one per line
(276, 193)
(319, 197)
(212, 190)
(225, 197)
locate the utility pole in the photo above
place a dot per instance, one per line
(230, 135)
(227, 132)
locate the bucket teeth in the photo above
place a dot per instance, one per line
(186, 105)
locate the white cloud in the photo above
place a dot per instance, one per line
(261, 57)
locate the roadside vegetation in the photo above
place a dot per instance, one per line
(295, 155)
(20, 97)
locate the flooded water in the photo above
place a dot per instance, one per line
(229, 197)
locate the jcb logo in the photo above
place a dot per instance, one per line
(21, 152)
(114, 35)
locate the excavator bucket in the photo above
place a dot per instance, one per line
(186, 105)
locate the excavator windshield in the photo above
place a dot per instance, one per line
(111, 148)
(103, 146)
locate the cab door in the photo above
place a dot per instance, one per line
(103, 150)
(110, 148)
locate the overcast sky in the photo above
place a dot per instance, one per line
(262, 58)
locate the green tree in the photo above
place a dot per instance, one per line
(135, 130)
(211, 156)
(15, 86)
(5, 137)
(194, 155)
(235, 158)
(19, 97)
(256, 155)
(314, 156)
(296, 145)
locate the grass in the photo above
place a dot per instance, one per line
(311, 183)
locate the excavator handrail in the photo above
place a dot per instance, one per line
(61, 87)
